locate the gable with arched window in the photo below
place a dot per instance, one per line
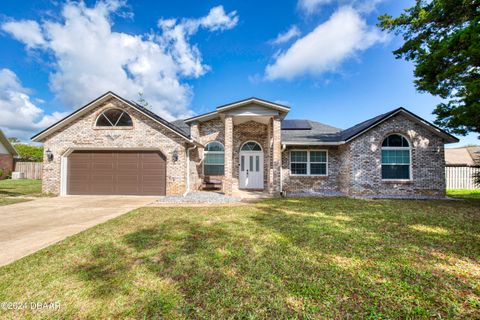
(114, 118)
(396, 158)
(214, 159)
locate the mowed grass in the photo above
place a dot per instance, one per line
(283, 258)
(11, 191)
(464, 193)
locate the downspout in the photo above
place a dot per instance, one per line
(187, 151)
(281, 169)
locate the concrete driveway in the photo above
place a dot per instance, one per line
(30, 226)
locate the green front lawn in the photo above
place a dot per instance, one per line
(12, 191)
(283, 258)
(465, 194)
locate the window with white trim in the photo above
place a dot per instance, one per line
(308, 162)
(396, 154)
(214, 159)
(114, 118)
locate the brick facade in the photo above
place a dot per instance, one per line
(354, 168)
(6, 165)
(427, 161)
(328, 184)
(145, 134)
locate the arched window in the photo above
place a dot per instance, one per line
(396, 158)
(114, 118)
(251, 146)
(214, 159)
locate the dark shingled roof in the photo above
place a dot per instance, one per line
(318, 133)
(324, 133)
(181, 125)
(171, 125)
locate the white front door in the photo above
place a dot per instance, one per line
(251, 169)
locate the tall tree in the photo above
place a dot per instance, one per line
(442, 38)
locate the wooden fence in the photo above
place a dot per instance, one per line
(32, 170)
(461, 177)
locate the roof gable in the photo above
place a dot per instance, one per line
(248, 106)
(358, 129)
(86, 108)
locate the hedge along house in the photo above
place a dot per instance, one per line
(115, 146)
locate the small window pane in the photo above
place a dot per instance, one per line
(298, 156)
(395, 157)
(242, 166)
(257, 163)
(251, 163)
(395, 140)
(318, 168)
(213, 170)
(318, 156)
(395, 171)
(299, 168)
(103, 122)
(214, 146)
(251, 146)
(124, 121)
(214, 158)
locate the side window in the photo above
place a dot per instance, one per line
(214, 159)
(396, 153)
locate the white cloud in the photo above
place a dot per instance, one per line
(27, 31)
(310, 6)
(293, 32)
(175, 35)
(313, 6)
(19, 116)
(90, 59)
(326, 47)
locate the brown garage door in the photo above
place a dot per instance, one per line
(116, 173)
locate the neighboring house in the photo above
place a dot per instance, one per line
(462, 157)
(7, 153)
(115, 146)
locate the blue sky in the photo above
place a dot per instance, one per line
(324, 58)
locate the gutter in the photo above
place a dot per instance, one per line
(313, 143)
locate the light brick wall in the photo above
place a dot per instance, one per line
(204, 132)
(428, 163)
(6, 165)
(355, 168)
(313, 184)
(146, 133)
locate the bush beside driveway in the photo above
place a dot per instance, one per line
(280, 258)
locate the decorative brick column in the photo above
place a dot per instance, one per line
(194, 131)
(276, 154)
(227, 188)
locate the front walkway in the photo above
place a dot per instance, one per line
(30, 226)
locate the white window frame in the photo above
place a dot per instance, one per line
(308, 174)
(409, 148)
(214, 152)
